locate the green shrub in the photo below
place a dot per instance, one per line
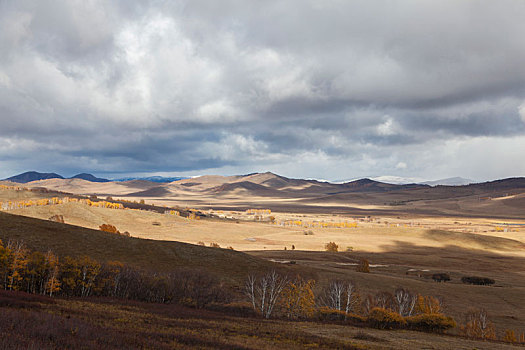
(385, 319)
(431, 322)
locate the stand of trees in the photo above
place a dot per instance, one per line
(275, 295)
(44, 273)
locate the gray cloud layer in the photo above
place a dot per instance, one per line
(331, 89)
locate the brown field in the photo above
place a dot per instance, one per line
(407, 234)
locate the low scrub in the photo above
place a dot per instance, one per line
(441, 277)
(385, 319)
(331, 247)
(481, 281)
(430, 323)
(327, 314)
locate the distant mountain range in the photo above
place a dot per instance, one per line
(399, 180)
(35, 176)
(451, 181)
(159, 179)
(372, 182)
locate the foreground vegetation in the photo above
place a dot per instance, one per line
(270, 295)
(36, 322)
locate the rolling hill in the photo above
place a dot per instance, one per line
(155, 255)
(33, 176)
(280, 193)
(89, 177)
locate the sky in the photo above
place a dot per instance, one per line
(326, 89)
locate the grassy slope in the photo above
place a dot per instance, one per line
(44, 323)
(71, 240)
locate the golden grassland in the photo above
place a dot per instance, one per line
(374, 234)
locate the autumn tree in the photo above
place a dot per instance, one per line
(384, 300)
(17, 263)
(477, 325)
(108, 228)
(109, 279)
(52, 283)
(331, 247)
(341, 295)
(368, 303)
(4, 264)
(35, 273)
(264, 292)
(428, 305)
(509, 336)
(405, 301)
(89, 270)
(363, 266)
(298, 299)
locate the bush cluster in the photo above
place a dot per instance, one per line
(482, 281)
(328, 314)
(430, 323)
(386, 319)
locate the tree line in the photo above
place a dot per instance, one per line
(22, 269)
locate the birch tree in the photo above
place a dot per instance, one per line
(264, 292)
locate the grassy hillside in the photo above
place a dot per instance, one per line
(45, 323)
(156, 255)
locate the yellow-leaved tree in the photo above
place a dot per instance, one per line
(298, 299)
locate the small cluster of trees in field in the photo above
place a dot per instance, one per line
(481, 281)
(318, 224)
(478, 326)
(276, 295)
(113, 229)
(10, 205)
(258, 212)
(44, 273)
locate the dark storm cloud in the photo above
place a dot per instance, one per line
(300, 87)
